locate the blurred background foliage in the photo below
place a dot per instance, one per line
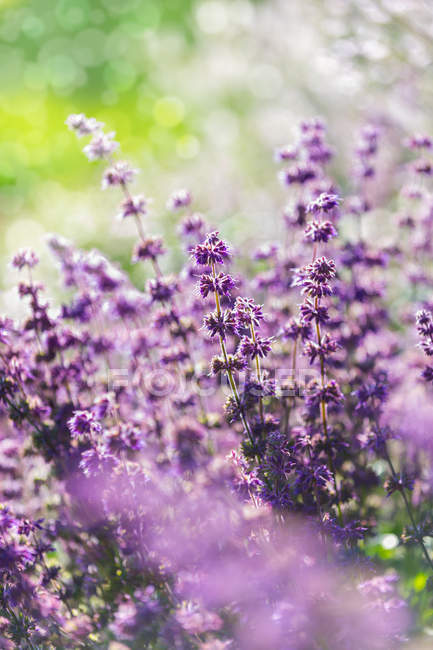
(199, 93)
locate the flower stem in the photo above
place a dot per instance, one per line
(289, 402)
(259, 376)
(409, 509)
(325, 421)
(229, 372)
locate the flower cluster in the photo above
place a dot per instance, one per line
(208, 460)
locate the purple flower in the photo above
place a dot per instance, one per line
(424, 321)
(235, 363)
(350, 534)
(310, 312)
(83, 423)
(315, 126)
(7, 520)
(321, 270)
(83, 125)
(266, 252)
(427, 346)
(324, 349)
(134, 206)
(324, 203)
(220, 324)
(286, 153)
(174, 354)
(192, 224)
(427, 373)
(316, 289)
(196, 620)
(320, 231)
(419, 141)
(398, 483)
(296, 327)
(371, 395)
(330, 393)
(298, 174)
(162, 289)
(367, 145)
(179, 199)
(129, 304)
(101, 146)
(260, 347)
(423, 166)
(120, 173)
(221, 284)
(94, 462)
(212, 251)
(148, 249)
(15, 556)
(25, 257)
(103, 405)
(247, 312)
(314, 277)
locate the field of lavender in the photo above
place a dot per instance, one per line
(215, 424)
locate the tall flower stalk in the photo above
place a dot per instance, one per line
(315, 279)
(221, 323)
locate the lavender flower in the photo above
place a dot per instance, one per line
(221, 324)
(221, 284)
(134, 206)
(286, 153)
(102, 145)
(120, 173)
(148, 249)
(234, 363)
(83, 125)
(298, 174)
(247, 312)
(419, 141)
(25, 257)
(178, 200)
(320, 231)
(324, 203)
(295, 328)
(83, 423)
(258, 347)
(213, 251)
(324, 349)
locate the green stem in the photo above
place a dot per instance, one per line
(229, 372)
(325, 421)
(290, 401)
(259, 376)
(409, 509)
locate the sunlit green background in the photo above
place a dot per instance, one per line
(199, 94)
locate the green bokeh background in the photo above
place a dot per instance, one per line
(199, 93)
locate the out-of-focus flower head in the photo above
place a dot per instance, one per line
(120, 173)
(324, 203)
(83, 125)
(102, 145)
(134, 206)
(25, 257)
(179, 199)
